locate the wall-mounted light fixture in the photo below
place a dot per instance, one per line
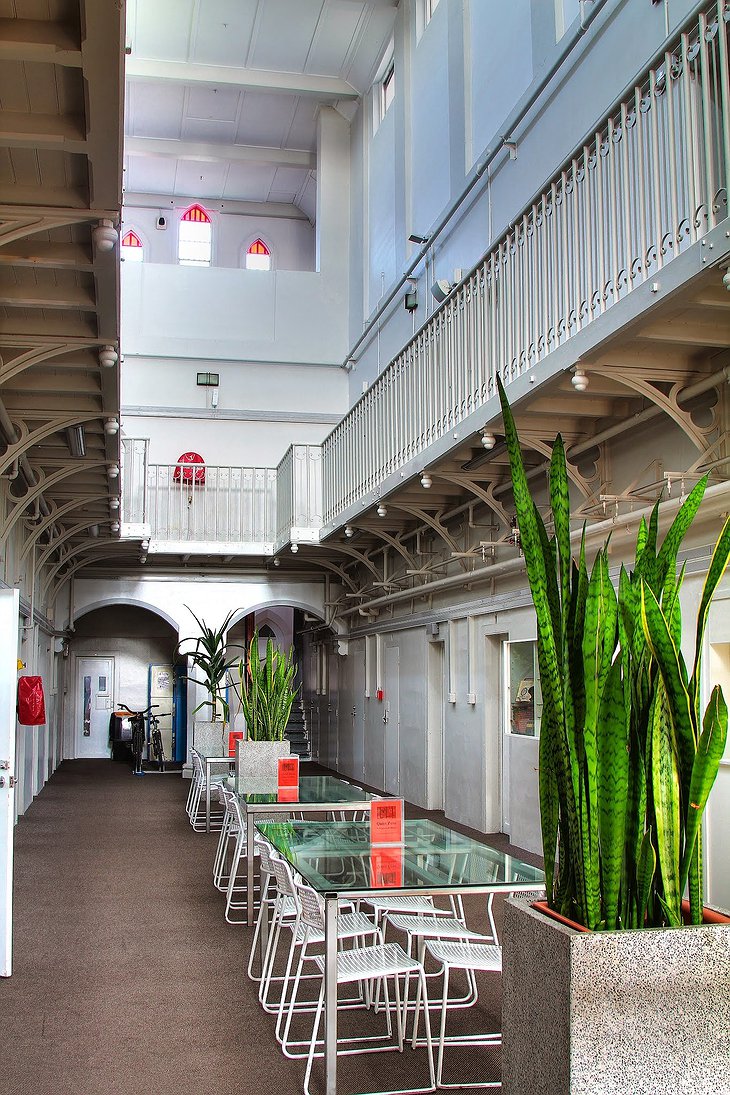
(113, 503)
(426, 480)
(488, 440)
(111, 426)
(420, 240)
(208, 380)
(108, 357)
(76, 441)
(441, 289)
(105, 236)
(382, 510)
(294, 549)
(579, 380)
(410, 297)
(277, 562)
(113, 471)
(115, 526)
(349, 531)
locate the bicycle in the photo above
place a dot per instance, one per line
(139, 736)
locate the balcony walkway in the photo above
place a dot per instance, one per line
(127, 980)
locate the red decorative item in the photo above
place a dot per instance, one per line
(31, 705)
(190, 468)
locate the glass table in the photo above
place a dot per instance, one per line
(314, 794)
(338, 860)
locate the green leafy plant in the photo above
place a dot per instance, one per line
(266, 691)
(627, 761)
(209, 658)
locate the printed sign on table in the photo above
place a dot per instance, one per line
(233, 737)
(287, 794)
(386, 867)
(288, 771)
(386, 821)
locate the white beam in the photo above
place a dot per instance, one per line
(246, 79)
(212, 153)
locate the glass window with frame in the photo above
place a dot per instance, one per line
(524, 696)
(258, 256)
(132, 248)
(387, 89)
(565, 12)
(429, 7)
(195, 238)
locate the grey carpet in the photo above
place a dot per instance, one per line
(127, 980)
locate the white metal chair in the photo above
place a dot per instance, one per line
(197, 793)
(308, 931)
(378, 963)
(228, 833)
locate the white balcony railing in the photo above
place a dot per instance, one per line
(651, 181)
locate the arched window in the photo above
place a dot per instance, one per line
(258, 256)
(132, 249)
(194, 244)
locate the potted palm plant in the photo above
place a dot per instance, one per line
(627, 762)
(267, 696)
(211, 665)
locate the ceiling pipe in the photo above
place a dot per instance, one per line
(718, 494)
(12, 438)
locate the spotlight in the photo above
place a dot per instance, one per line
(349, 531)
(113, 471)
(294, 549)
(488, 440)
(382, 511)
(426, 480)
(415, 238)
(579, 380)
(105, 236)
(111, 426)
(108, 357)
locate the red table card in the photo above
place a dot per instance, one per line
(288, 771)
(386, 867)
(233, 737)
(386, 821)
(287, 794)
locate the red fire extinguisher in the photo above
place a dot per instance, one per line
(31, 705)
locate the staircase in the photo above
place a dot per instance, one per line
(296, 732)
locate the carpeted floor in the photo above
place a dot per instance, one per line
(127, 980)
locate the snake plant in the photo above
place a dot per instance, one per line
(627, 758)
(209, 658)
(266, 692)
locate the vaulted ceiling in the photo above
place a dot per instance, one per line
(222, 96)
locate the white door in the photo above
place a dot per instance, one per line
(9, 606)
(391, 718)
(94, 691)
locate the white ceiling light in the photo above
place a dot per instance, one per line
(108, 357)
(349, 531)
(115, 526)
(113, 503)
(113, 471)
(105, 236)
(111, 426)
(382, 511)
(294, 549)
(426, 480)
(579, 380)
(488, 440)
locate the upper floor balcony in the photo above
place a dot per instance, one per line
(603, 306)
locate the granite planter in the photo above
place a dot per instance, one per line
(259, 760)
(643, 1012)
(210, 738)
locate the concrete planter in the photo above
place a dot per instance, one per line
(210, 738)
(613, 1013)
(259, 760)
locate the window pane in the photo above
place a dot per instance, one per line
(258, 262)
(194, 244)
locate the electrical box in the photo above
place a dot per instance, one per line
(161, 681)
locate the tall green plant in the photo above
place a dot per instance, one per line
(209, 658)
(266, 691)
(627, 761)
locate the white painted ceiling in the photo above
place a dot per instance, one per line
(222, 95)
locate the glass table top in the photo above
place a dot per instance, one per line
(312, 790)
(338, 856)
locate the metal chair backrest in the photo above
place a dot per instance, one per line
(310, 905)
